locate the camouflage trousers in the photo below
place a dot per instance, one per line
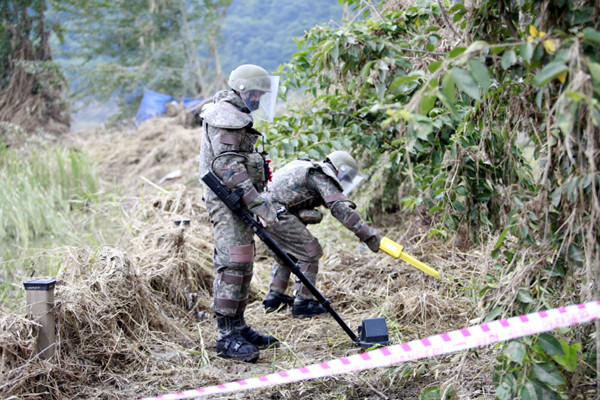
(233, 257)
(296, 240)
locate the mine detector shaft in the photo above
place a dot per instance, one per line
(373, 332)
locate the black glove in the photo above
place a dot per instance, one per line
(373, 241)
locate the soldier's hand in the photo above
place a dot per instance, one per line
(265, 212)
(373, 241)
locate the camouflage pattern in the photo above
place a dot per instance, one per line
(302, 185)
(291, 234)
(233, 256)
(227, 150)
(291, 186)
(225, 115)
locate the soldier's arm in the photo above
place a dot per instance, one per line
(230, 163)
(341, 207)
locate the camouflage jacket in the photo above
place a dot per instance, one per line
(227, 147)
(304, 184)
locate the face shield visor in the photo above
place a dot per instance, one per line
(349, 178)
(260, 96)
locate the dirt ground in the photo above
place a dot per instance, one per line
(134, 318)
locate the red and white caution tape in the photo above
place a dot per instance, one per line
(462, 339)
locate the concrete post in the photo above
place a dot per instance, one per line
(40, 301)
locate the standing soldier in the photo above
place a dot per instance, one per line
(301, 186)
(228, 151)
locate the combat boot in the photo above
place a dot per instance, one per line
(307, 309)
(276, 301)
(232, 344)
(259, 340)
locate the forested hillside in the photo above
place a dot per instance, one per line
(476, 124)
(263, 32)
(175, 48)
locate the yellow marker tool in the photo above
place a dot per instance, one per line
(395, 250)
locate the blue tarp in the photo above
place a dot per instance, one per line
(154, 104)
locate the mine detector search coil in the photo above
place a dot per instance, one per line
(373, 331)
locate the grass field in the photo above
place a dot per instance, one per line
(133, 293)
(49, 199)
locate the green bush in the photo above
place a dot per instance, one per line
(497, 136)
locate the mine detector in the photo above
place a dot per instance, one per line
(372, 332)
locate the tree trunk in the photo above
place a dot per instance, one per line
(33, 96)
(192, 52)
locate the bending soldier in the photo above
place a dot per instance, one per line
(301, 186)
(228, 151)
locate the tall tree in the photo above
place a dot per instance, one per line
(32, 88)
(120, 47)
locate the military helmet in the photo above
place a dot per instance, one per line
(339, 158)
(347, 170)
(250, 77)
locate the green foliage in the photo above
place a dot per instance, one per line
(118, 48)
(46, 199)
(350, 72)
(19, 21)
(535, 368)
(182, 48)
(43, 189)
(437, 393)
(31, 84)
(497, 136)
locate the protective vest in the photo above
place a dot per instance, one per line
(290, 186)
(231, 130)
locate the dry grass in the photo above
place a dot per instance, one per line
(134, 320)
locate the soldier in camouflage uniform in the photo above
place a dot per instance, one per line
(301, 186)
(228, 151)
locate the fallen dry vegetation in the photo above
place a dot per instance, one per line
(134, 319)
